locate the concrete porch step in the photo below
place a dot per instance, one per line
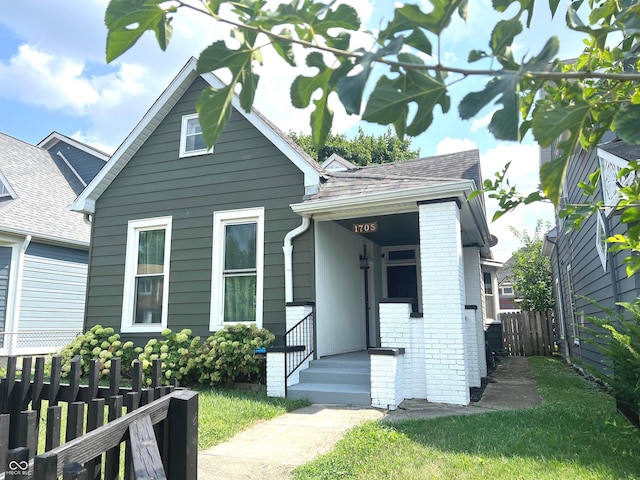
(319, 373)
(331, 393)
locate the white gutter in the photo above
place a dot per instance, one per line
(287, 248)
(13, 310)
(390, 199)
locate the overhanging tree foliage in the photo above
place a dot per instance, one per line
(364, 149)
(583, 99)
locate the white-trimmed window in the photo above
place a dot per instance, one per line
(191, 139)
(601, 240)
(238, 267)
(146, 283)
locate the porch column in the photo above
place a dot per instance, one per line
(443, 300)
(474, 291)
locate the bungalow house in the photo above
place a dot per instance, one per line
(584, 268)
(43, 246)
(339, 262)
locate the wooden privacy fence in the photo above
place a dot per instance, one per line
(528, 333)
(160, 428)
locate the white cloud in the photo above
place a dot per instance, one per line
(480, 123)
(452, 145)
(522, 173)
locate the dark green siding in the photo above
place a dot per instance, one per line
(245, 170)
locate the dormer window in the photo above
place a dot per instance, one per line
(191, 139)
(5, 188)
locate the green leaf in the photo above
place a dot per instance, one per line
(551, 121)
(321, 120)
(303, 87)
(128, 20)
(553, 7)
(439, 18)
(631, 214)
(552, 178)
(218, 55)
(389, 102)
(214, 111)
(503, 34)
(475, 55)
(626, 123)
(344, 17)
(284, 48)
(351, 88)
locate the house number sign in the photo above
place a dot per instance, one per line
(365, 227)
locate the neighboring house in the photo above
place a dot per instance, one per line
(254, 231)
(583, 266)
(43, 246)
(506, 293)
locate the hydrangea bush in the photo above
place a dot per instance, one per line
(222, 359)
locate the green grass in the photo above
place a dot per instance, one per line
(223, 413)
(575, 434)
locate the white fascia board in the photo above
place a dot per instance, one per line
(86, 200)
(311, 175)
(55, 137)
(397, 201)
(611, 158)
(485, 262)
(45, 238)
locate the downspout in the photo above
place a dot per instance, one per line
(287, 248)
(560, 303)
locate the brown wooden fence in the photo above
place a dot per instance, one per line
(159, 430)
(528, 333)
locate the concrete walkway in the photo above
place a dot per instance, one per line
(272, 449)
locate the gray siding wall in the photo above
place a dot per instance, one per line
(82, 162)
(590, 280)
(53, 291)
(245, 170)
(5, 269)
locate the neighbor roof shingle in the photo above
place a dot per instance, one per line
(43, 193)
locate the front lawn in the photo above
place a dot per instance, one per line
(222, 413)
(575, 434)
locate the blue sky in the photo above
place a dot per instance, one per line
(53, 77)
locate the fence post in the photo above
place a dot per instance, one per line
(45, 466)
(74, 471)
(183, 426)
(17, 463)
(5, 422)
(28, 431)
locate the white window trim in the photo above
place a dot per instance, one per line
(9, 192)
(183, 139)
(610, 166)
(560, 305)
(600, 232)
(220, 220)
(408, 262)
(575, 331)
(128, 295)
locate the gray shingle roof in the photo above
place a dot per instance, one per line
(420, 172)
(44, 188)
(622, 150)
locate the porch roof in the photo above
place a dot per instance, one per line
(410, 174)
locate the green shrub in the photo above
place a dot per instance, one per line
(178, 352)
(619, 340)
(98, 343)
(228, 355)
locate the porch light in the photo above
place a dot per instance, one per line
(364, 262)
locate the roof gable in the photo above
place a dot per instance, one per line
(159, 110)
(41, 194)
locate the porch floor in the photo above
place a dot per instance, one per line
(342, 379)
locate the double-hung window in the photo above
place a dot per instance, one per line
(238, 238)
(191, 139)
(146, 283)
